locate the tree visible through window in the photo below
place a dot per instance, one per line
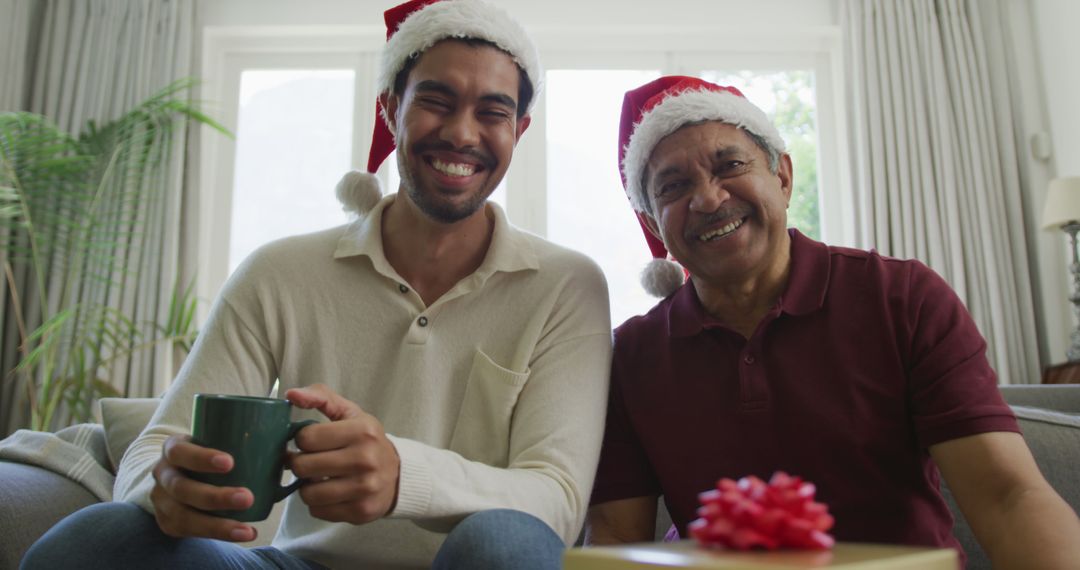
(787, 97)
(586, 207)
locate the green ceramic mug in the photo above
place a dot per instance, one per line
(255, 431)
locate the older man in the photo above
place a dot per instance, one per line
(462, 363)
(862, 373)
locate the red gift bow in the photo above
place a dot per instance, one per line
(753, 514)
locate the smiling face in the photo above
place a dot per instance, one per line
(716, 205)
(456, 127)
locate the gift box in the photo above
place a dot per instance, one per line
(688, 555)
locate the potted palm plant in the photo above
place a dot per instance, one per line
(69, 216)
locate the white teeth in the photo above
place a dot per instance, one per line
(453, 169)
(722, 231)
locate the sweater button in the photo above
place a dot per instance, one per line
(403, 288)
(422, 321)
(749, 359)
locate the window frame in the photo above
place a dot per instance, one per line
(687, 52)
(230, 50)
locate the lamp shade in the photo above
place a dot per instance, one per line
(1062, 203)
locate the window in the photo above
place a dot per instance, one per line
(587, 209)
(302, 106)
(299, 104)
(293, 142)
(787, 97)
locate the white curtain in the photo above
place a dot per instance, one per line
(934, 138)
(16, 17)
(95, 60)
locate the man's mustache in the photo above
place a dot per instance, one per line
(482, 157)
(724, 214)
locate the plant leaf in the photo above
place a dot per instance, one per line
(75, 211)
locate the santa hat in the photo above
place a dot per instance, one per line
(656, 110)
(411, 29)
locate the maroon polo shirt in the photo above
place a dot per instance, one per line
(864, 362)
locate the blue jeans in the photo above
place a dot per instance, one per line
(122, 535)
(500, 538)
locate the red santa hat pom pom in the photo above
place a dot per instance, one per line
(751, 514)
(661, 277)
(358, 192)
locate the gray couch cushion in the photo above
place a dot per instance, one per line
(1054, 440)
(124, 419)
(32, 500)
(1057, 397)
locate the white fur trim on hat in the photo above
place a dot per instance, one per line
(676, 111)
(459, 19)
(358, 192)
(661, 277)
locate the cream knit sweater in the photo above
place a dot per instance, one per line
(494, 395)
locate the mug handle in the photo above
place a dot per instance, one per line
(294, 428)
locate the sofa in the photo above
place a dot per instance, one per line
(47, 476)
(1049, 416)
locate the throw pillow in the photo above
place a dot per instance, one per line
(124, 419)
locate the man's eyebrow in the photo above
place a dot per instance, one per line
(430, 85)
(727, 152)
(501, 99)
(669, 171)
(722, 153)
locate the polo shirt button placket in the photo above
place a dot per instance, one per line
(754, 388)
(420, 329)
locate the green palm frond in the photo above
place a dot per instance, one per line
(9, 203)
(73, 210)
(180, 323)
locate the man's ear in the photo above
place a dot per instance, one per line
(786, 177)
(522, 124)
(390, 104)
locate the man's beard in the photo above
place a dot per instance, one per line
(439, 211)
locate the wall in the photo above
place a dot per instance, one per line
(1043, 33)
(1056, 23)
(535, 14)
(1057, 44)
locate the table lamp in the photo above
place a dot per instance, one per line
(1062, 211)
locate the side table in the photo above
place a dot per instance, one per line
(1066, 373)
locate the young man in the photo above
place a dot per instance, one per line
(462, 363)
(861, 373)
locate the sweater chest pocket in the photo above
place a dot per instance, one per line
(482, 430)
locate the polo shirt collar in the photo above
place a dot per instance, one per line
(808, 281)
(510, 248)
(807, 285)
